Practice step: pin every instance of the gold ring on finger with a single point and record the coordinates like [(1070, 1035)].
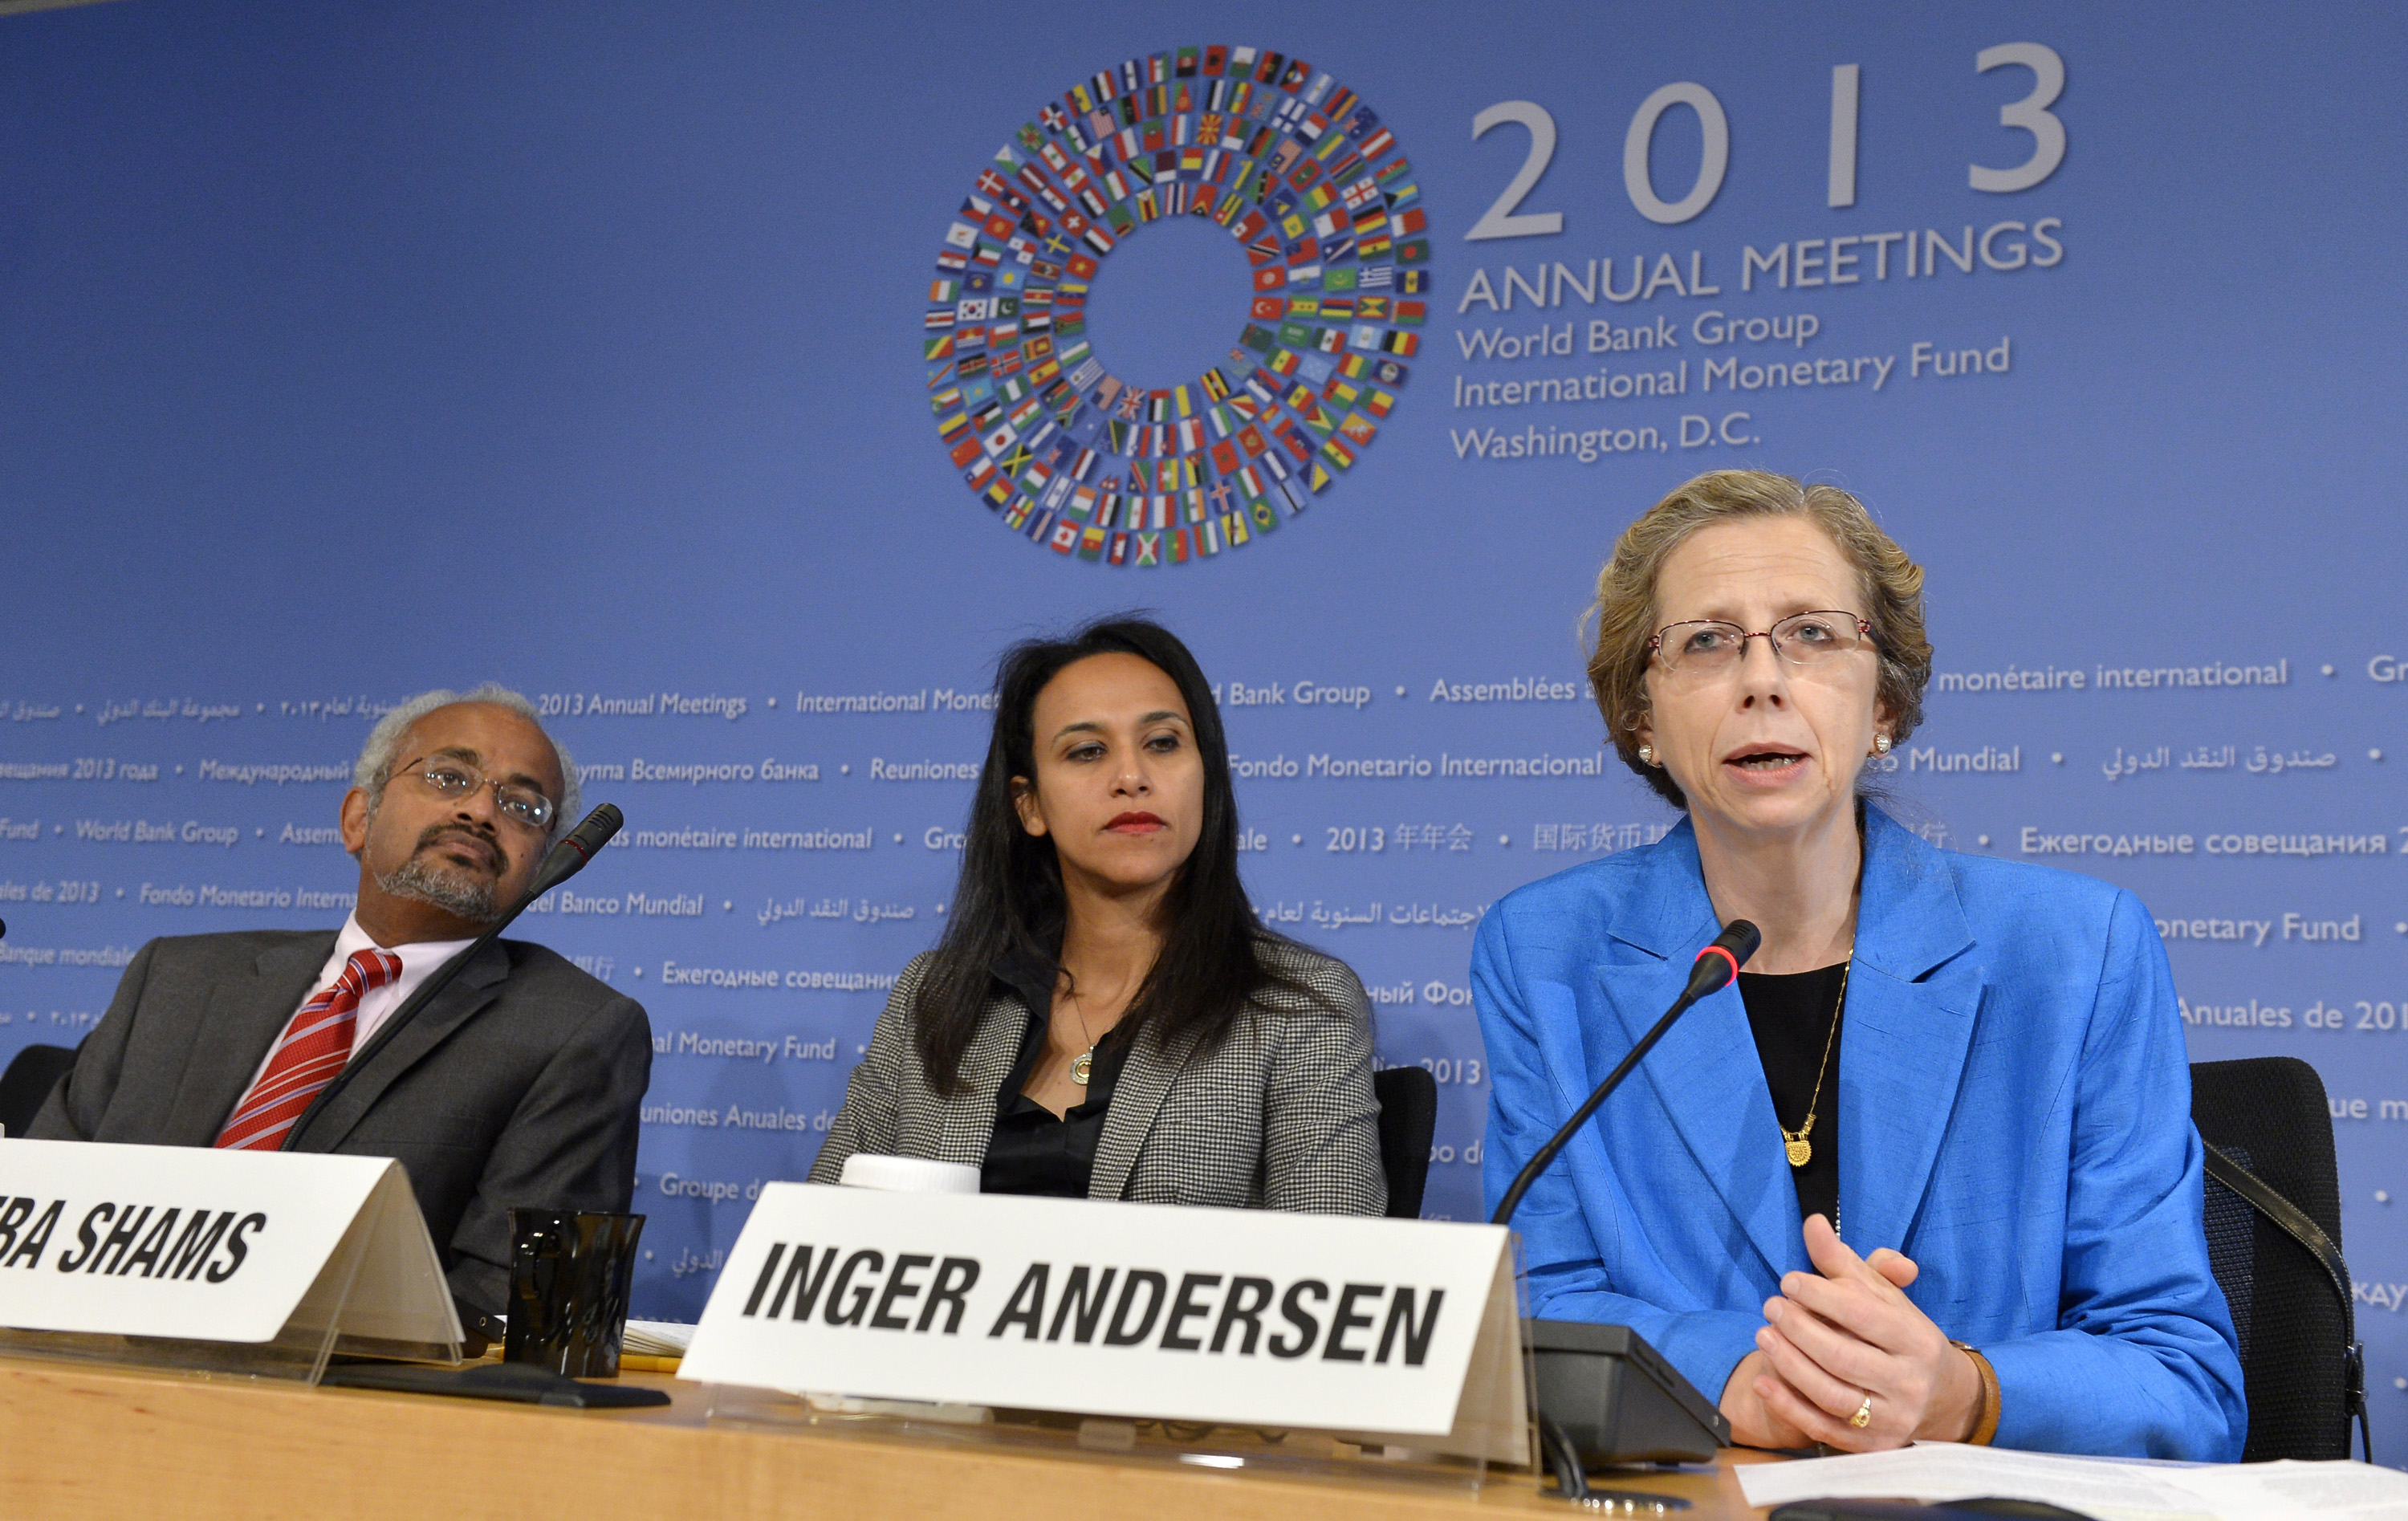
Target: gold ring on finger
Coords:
[(1864, 1415)]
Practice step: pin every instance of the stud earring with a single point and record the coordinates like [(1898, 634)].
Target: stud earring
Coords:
[(1880, 744), (1646, 755)]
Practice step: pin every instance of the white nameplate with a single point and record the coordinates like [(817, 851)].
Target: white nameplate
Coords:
[(206, 1245), (1231, 1316)]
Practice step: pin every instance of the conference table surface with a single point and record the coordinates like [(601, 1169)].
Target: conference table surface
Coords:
[(92, 1442)]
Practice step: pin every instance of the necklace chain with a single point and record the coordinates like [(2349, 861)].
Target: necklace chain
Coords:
[(1802, 1151), (1083, 1066)]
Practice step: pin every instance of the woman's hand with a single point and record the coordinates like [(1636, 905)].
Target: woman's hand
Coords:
[(1845, 1332), (1752, 1422)]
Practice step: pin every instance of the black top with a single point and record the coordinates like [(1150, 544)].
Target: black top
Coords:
[(1793, 1016), (1032, 1152)]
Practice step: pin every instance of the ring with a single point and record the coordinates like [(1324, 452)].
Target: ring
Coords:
[(1864, 1415)]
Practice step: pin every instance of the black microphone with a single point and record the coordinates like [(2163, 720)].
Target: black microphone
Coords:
[(573, 854), (565, 860), (1604, 1396), (1717, 966)]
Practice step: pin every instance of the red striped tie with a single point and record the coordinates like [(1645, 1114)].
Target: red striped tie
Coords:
[(314, 1048)]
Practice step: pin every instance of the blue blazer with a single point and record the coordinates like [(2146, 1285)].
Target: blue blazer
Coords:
[(2014, 1109)]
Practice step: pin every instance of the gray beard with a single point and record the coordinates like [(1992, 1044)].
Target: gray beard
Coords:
[(415, 879)]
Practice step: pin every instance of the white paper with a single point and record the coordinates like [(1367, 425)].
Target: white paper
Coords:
[(2111, 1490), (657, 1339)]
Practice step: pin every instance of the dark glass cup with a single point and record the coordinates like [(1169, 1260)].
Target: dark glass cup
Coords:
[(569, 1276)]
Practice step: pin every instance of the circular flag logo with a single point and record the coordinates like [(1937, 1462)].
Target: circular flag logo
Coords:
[(1300, 172)]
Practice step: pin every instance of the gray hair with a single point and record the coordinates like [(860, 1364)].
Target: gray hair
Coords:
[(378, 756)]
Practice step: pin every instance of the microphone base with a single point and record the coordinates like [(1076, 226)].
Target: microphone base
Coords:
[(1615, 1398)]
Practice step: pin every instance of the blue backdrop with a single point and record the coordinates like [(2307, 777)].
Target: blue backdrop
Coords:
[(728, 380)]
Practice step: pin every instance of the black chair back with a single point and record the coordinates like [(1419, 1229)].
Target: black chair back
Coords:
[(1408, 1118), (27, 1083), (2296, 1331)]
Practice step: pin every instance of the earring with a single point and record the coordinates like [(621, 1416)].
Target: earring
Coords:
[(1880, 744), (1646, 755)]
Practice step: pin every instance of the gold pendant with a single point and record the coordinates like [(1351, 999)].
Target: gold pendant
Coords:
[(1082, 1066), (1799, 1149)]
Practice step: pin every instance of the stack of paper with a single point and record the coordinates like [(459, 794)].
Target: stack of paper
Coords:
[(2109, 1488), (656, 1339)]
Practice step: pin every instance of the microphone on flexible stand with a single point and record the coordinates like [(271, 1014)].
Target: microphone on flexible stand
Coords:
[(1603, 1395), (1717, 966), (575, 852)]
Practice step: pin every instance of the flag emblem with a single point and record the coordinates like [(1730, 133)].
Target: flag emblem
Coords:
[(1302, 175)]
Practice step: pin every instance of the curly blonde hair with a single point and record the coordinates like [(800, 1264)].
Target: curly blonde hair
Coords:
[(1626, 617)]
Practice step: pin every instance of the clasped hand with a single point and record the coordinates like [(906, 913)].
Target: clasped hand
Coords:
[(1835, 1336)]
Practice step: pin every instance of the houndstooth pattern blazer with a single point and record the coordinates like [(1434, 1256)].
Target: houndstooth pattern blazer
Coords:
[(1281, 1116)]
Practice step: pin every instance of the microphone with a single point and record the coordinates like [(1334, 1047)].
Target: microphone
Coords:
[(566, 859), (1717, 966), (573, 854), (1603, 1394)]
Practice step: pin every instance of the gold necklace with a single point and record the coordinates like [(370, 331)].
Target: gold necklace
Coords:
[(1800, 1150)]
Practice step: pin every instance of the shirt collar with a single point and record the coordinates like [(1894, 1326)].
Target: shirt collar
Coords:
[(417, 957)]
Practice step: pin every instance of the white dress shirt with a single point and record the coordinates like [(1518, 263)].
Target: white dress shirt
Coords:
[(418, 960)]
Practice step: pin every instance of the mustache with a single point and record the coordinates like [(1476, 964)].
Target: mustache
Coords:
[(496, 854)]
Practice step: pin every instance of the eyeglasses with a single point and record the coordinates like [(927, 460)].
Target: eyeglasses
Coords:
[(445, 778), (1706, 646)]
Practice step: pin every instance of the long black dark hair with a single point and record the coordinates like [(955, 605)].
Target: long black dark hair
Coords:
[(1009, 908)]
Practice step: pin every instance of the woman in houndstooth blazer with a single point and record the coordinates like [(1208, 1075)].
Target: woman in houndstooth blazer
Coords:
[(1104, 1018)]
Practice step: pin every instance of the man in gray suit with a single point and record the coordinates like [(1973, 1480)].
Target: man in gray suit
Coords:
[(520, 1086)]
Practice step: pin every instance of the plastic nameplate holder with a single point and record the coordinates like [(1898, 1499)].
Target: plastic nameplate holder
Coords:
[(1045, 1353), (248, 1263)]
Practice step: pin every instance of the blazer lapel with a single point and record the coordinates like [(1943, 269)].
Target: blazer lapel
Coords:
[(968, 1121), (1145, 1081), (1913, 999), (244, 1013), (1704, 1073), (478, 984)]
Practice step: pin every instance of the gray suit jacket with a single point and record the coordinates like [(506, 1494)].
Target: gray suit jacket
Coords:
[(1281, 1116), (520, 1084)]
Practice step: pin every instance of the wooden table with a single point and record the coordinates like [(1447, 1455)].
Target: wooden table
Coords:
[(95, 1443)]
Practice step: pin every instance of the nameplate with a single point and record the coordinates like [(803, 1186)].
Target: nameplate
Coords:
[(1229, 1316), (205, 1245)]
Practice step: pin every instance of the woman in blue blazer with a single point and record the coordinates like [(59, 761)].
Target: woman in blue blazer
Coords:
[(1928, 1172)]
